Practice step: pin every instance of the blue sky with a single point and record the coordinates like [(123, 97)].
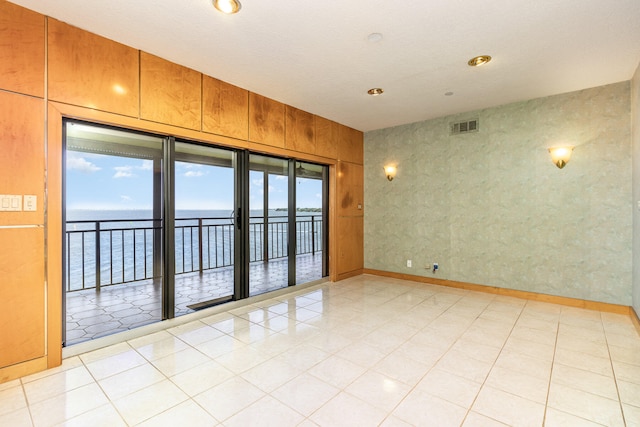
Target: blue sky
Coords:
[(105, 182)]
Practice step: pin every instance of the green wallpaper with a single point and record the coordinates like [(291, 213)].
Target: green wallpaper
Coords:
[(492, 209), (635, 126)]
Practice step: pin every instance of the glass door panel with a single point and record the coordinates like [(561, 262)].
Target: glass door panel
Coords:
[(310, 200), (204, 226), (268, 224), (113, 271)]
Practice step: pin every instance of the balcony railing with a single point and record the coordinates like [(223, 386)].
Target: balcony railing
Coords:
[(111, 252)]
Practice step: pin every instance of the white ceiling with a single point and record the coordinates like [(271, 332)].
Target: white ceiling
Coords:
[(315, 55)]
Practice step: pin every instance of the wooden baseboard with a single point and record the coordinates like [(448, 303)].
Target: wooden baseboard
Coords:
[(635, 319), (342, 276), (19, 370), (571, 302)]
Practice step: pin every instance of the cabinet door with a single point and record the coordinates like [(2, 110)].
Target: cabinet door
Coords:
[(327, 136), (299, 131), (225, 108), (266, 121), (22, 295), (350, 244)]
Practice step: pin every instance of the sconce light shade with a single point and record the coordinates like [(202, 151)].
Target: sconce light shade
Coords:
[(560, 155), (227, 6), (390, 171)]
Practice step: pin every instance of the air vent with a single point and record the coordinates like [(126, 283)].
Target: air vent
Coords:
[(467, 126)]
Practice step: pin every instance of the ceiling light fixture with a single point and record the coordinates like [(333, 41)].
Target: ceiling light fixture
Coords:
[(375, 91), (227, 6), (479, 60)]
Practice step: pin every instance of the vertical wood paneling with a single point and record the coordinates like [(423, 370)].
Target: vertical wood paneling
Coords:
[(327, 136), (21, 50), (299, 130), (350, 183), (350, 244), (170, 93), (266, 120), (91, 71), (225, 109), (22, 295), (350, 145), (22, 159)]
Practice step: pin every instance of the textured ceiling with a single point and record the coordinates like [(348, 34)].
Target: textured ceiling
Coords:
[(315, 55)]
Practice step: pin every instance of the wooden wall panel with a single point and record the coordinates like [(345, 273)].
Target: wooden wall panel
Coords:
[(266, 120), (327, 136), (350, 185), (170, 93), (92, 71), (350, 235), (350, 145), (225, 108), (22, 295), (299, 130), (21, 50), (22, 159)]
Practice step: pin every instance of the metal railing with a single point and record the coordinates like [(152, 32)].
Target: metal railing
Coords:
[(110, 252)]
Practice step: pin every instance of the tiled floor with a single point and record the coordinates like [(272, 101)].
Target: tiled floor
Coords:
[(366, 351), (117, 308)]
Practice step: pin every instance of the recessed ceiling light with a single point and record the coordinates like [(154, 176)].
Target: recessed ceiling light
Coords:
[(448, 93), (375, 91), (374, 37), (479, 60), (227, 6)]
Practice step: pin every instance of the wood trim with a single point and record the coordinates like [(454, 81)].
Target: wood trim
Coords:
[(19, 370), (635, 319), (534, 296), (342, 276)]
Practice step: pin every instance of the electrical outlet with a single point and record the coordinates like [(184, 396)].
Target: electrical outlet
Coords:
[(435, 267), (409, 263)]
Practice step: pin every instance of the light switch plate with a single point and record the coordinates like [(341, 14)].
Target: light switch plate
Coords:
[(10, 203), (30, 203)]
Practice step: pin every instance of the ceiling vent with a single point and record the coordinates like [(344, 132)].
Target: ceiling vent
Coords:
[(467, 126)]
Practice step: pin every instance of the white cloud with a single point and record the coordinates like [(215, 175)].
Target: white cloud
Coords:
[(282, 177), (257, 182), (125, 199), (82, 165), (192, 174), (146, 165), (123, 172)]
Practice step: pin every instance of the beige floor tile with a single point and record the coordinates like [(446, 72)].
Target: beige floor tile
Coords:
[(631, 415), (627, 372), (12, 399), (305, 393), (18, 418), (114, 364), (187, 413), (508, 408), (546, 337), (348, 411), (585, 405), (555, 418), (530, 348), (450, 387), (462, 365), (202, 377), (392, 421), (68, 405), (267, 412), (590, 382), (477, 420), (303, 356), (127, 382), (196, 333), (271, 374), (14, 383), (102, 353), (519, 383), (478, 351), (378, 390), (625, 355), (149, 339), (55, 384), (422, 409), (161, 348), (69, 363), (183, 360), (228, 398), (241, 360), (362, 354), (587, 362), (148, 402), (402, 368), (337, 371), (230, 325), (629, 393), (219, 346), (577, 343), (519, 362), (103, 416)]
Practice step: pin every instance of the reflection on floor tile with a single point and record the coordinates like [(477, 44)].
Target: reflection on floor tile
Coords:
[(364, 351)]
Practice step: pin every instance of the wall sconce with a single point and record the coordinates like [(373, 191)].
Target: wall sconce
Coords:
[(227, 6), (560, 155), (390, 171)]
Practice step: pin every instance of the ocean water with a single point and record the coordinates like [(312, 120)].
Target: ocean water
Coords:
[(127, 237)]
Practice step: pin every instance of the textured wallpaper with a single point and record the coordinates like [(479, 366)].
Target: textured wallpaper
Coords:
[(491, 208)]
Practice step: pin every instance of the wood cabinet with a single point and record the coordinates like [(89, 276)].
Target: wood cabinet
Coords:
[(225, 108), (350, 235), (327, 136), (350, 188), (22, 35), (266, 121), (22, 159), (299, 130), (350, 145), (92, 71), (170, 93)]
